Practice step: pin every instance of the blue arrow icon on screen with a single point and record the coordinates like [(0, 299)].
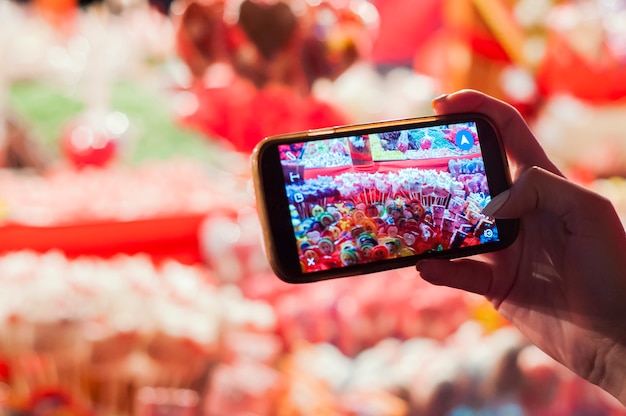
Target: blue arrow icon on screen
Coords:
[(464, 140)]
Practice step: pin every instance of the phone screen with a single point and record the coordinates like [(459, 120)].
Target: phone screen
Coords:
[(384, 195)]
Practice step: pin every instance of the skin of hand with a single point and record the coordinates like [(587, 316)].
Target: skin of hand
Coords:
[(562, 283)]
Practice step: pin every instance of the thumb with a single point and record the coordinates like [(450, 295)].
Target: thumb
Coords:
[(539, 189)]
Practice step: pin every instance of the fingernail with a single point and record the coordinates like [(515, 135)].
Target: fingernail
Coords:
[(438, 99), (496, 203)]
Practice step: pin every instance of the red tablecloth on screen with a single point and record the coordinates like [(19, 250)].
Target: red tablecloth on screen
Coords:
[(388, 166)]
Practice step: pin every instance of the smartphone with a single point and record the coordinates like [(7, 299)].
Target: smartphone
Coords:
[(365, 198)]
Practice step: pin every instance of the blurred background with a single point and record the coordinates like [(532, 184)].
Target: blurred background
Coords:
[(132, 274)]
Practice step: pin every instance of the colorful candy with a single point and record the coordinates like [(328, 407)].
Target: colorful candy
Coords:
[(367, 216)]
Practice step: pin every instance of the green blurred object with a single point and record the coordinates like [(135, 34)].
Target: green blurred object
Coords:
[(154, 131)]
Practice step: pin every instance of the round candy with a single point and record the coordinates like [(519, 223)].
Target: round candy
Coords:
[(312, 254), (396, 214), (411, 225), (334, 231), (371, 210), (379, 253), (348, 245), (349, 257), (365, 239), (345, 224), (358, 216), (379, 222), (369, 225), (326, 219), (357, 231), (326, 246), (409, 239), (394, 245), (314, 236), (367, 248), (317, 210)]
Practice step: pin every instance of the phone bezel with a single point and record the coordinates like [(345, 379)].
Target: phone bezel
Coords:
[(273, 205)]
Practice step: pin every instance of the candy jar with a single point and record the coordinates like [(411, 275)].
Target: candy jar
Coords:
[(361, 152)]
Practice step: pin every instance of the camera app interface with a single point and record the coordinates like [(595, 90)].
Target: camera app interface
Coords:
[(368, 198)]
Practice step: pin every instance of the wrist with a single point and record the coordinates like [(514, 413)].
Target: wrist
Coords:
[(610, 373)]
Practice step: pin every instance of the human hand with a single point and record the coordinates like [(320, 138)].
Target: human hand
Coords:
[(562, 283)]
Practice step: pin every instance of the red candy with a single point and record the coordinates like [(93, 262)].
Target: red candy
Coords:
[(85, 145)]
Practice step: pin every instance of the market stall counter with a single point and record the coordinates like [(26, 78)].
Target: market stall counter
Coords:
[(161, 238)]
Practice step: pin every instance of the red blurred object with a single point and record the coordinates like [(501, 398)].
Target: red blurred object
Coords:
[(60, 13), (287, 42), (244, 115), (564, 71), (275, 51), (56, 401), (405, 28), (202, 37), (85, 145), (5, 371), (165, 238)]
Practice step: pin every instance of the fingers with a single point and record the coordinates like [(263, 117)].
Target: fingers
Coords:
[(538, 189), (465, 274), (519, 142)]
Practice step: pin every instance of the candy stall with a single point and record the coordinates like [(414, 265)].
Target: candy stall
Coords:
[(133, 278)]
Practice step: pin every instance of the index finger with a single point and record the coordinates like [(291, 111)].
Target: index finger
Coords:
[(520, 144)]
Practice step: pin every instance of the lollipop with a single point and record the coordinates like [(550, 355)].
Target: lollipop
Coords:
[(349, 257), (378, 253)]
